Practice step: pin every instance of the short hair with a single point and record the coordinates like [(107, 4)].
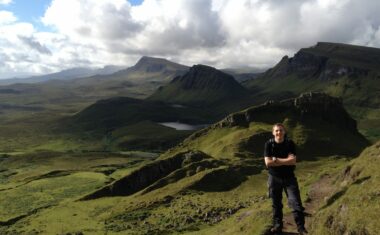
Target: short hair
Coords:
[(279, 124)]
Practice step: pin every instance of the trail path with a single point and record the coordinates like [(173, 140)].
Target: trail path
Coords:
[(317, 194)]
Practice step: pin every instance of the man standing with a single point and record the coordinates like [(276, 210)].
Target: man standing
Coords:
[(280, 158)]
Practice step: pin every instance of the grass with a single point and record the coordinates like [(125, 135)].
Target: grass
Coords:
[(178, 207), (47, 192), (355, 205), (36, 183)]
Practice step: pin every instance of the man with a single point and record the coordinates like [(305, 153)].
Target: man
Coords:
[(280, 159)]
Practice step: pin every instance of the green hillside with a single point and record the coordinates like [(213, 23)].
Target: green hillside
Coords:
[(341, 70), (354, 203), (213, 182)]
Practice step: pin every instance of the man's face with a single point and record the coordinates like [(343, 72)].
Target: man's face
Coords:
[(278, 133)]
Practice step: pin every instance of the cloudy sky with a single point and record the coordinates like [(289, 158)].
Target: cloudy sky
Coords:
[(43, 36)]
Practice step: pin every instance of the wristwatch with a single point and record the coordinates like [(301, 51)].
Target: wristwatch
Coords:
[(274, 159)]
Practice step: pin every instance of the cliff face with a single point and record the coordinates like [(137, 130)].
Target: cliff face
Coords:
[(313, 104), (328, 61), (148, 175)]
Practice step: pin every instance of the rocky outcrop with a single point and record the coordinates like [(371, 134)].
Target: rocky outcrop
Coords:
[(328, 61), (147, 175), (312, 104)]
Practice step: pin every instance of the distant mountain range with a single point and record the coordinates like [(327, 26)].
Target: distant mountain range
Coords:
[(163, 91), (68, 74)]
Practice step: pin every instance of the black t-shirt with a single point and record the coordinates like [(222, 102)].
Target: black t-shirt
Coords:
[(280, 150)]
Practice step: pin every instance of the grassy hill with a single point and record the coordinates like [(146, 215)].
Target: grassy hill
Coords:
[(353, 205), (341, 70), (213, 182)]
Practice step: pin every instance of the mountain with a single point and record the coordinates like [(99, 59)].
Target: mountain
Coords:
[(155, 65), (80, 87), (138, 81), (327, 61), (149, 69), (67, 74), (341, 70), (200, 86)]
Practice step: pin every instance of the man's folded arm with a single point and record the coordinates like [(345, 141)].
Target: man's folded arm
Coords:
[(290, 160)]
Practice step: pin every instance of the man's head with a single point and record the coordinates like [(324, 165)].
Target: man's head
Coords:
[(278, 132)]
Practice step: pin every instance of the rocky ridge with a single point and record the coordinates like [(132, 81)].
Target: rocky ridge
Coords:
[(328, 61)]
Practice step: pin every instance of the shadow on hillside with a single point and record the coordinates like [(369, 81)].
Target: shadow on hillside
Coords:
[(220, 180)]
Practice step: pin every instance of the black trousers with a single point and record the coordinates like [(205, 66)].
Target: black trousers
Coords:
[(290, 186)]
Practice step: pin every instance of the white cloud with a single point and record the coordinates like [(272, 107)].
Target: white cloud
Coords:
[(7, 17), (5, 2), (222, 33)]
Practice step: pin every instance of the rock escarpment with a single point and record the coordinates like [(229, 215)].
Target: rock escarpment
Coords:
[(328, 61), (313, 104), (150, 174)]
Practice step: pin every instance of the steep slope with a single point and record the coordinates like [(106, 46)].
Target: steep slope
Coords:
[(341, 70), (201, 86), (354, 204)]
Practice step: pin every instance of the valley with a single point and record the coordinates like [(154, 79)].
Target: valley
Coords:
[(163, 148)]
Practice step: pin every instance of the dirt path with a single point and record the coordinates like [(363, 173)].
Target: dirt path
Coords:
[(317, 194)]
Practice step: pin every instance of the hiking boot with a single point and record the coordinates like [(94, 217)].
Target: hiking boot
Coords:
[(302, 231), (276, 229)]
